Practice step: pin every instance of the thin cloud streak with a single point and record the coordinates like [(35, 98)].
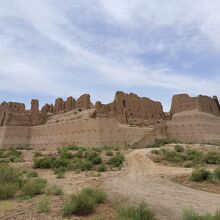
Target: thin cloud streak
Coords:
[(56, 56)]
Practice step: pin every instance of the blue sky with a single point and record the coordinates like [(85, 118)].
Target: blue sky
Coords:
[(58, 48)]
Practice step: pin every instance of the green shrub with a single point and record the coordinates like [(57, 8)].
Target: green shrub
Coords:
[(33, 187), (179, 148), (8, 190), (80, 204), (3, 154), (83, 202), (200, 175), (173, 156), (86, 165), (4, 161), (9, 175), (44, 163), (60, 162), (10, 181), (97, 160), (102, 168), (97, 195), (50, 162), (75, 148), (90, 155), (212, 158), (32, 174), (79, 154), (190, 214), (109, 153), (141, 212), (116, 160), (66, 155), (54, 190), (60, 172), (44, 205), (216, 173), (195, 156)]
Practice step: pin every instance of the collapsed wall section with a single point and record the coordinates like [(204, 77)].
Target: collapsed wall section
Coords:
[(183, 102), (131, 109)]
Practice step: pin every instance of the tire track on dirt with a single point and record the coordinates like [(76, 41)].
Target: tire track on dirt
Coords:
[(143, 180)]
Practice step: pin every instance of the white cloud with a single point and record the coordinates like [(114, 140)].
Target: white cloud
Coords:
[(32, 65)]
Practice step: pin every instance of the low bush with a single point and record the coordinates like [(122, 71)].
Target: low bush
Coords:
[(83, 203), (194, 155), (212, 158), (109, 153), (173, 156), (13, 155), (60, 172), (8, 190), (33, 187), (9, 175), (140, 212), (178, 148), (90, 155), (102, 168), (32, 174), (44, 205), (97, 160), (99, 196), (54, 190), (190, 214), (216, 173), (10, 181), (44, 163), (82, 160), (80, 204), (201, 174), (116, 160), (75, 148)]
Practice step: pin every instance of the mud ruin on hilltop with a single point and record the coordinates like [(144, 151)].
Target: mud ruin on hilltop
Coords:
[(128, 121)]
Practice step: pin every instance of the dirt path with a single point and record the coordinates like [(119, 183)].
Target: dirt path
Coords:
[(143, 180)]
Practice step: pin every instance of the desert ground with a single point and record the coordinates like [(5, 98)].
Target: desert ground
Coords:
[(164, 186)]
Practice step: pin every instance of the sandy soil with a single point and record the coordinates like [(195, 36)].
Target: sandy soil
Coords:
[(204, 185), (143, 180), (139, 180)]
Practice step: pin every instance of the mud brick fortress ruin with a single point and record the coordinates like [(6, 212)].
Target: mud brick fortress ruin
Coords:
[(128, 121)]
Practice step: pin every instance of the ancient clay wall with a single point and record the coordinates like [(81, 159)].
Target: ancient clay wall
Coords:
[(73, 128), (194, 126), (111, 133), (14, 136), (81, 132), (184, 102), (2, 135)]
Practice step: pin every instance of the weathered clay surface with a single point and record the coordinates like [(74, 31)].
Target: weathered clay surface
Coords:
[(184, 102), (83, 102), (131, 109)]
